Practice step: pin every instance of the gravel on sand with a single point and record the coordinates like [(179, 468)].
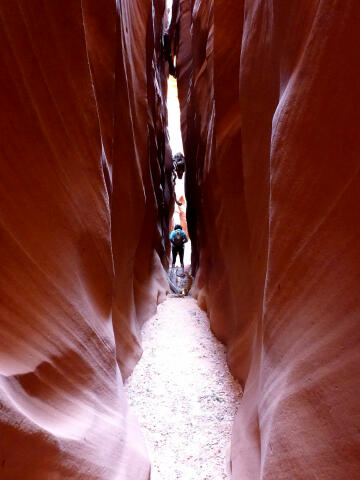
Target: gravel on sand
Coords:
[(183, 395)]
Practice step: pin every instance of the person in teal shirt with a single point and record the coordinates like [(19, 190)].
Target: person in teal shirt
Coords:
[(178, 238)]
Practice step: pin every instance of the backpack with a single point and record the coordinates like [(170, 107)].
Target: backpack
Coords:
[(178, 238)]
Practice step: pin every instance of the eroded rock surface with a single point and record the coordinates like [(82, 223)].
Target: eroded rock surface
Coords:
[(270, 116), (271, 104), (85, 196)]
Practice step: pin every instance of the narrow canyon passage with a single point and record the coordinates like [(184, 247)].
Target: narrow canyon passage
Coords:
[(237, 120), (183, 394)]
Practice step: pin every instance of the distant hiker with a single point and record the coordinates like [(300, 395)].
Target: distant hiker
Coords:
[(178, 165), (178, 238), (167, 54), (177, 172)]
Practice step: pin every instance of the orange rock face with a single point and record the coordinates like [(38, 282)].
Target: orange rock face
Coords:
[(273, 189), (85, 194)]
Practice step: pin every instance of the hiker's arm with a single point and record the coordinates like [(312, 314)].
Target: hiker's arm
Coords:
[(185, 238)]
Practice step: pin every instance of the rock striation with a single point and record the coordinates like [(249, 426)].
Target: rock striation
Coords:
[(269, 97), (270, 108), (86, 193)]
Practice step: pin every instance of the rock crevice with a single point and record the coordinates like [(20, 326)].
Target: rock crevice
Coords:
[(269, 114)]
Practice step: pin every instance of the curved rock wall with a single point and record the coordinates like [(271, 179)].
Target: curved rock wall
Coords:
[(85, 192), (271, 101)]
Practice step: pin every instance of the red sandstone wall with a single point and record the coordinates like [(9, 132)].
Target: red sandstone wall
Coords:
[(84, 204), (272, 148)]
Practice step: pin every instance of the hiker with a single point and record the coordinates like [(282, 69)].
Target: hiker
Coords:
[(167, 54), (178, 165), (177, 172), (178, 238)]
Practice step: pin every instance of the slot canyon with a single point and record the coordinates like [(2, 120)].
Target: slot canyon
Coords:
[(270, 114)]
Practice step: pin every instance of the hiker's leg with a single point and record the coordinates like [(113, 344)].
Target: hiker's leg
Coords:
[(174, 255), (181, 255)]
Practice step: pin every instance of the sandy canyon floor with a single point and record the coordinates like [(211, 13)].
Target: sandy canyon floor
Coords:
[(183, 394)]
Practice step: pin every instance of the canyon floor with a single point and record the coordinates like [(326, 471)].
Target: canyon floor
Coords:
[(183, 394)]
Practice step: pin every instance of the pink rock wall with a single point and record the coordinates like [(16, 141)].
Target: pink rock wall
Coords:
[(85, 195), (273, 188)]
